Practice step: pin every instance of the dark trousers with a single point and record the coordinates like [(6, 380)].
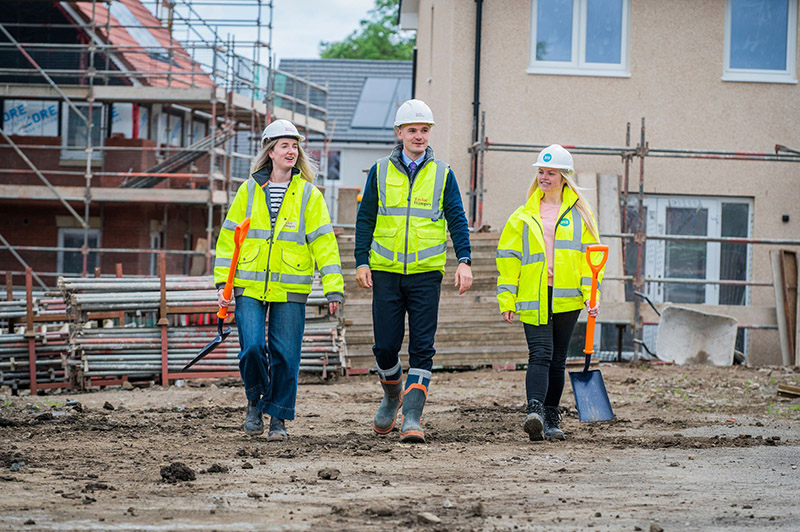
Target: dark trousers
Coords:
[(393, 296), (547, 354)]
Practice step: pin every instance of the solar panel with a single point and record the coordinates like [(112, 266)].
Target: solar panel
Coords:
[(378, 102)]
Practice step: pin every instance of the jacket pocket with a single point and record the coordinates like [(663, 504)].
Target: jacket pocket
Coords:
[(249, 252), (298, 259)]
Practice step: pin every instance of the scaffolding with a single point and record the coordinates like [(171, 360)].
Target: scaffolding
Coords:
[(152, 53), (627, 154)]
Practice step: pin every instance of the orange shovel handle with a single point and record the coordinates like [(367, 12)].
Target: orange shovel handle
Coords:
[(238, 238), (588, 347)]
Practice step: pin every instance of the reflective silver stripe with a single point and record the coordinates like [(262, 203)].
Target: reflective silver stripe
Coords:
[(432, 251), (532, 258), (333, 268), (587, 281), (301, 226), (323, 230), (567, 292), (291, 236), (384, 252), (506, 288), (402, 257), (527, 305), (508, 254), (259, 234), (383, 168), (229, 225), (577, 230), (251, 191), (438, 186), (416, 212), (296, 279), (251, 276), (222, 262)]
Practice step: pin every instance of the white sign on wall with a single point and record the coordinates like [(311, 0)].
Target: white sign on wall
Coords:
[(36, 118)]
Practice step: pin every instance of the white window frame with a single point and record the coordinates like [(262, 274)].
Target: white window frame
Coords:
[(578, 66), (788, 75), (70, 153)]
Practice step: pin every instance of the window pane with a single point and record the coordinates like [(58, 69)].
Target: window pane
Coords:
[(758, 34), (733, 257), (554, 30), (76, 127), (604, 31), (73, 261), (685, 260)]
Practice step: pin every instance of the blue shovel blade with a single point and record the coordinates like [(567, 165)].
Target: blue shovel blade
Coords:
[(591, 397)]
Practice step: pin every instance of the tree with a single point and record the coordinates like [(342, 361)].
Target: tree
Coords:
[(378, 38)]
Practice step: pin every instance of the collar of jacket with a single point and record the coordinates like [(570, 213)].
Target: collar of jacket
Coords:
[(568, 199), (397, 159), (261, 175)]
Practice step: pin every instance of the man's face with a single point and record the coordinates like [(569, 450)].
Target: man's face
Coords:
[(415, 139)]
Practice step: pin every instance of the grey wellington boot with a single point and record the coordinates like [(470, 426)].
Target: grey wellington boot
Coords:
[(416, 393), (534, 420), (552, 416), (392, 384), (253, 424)]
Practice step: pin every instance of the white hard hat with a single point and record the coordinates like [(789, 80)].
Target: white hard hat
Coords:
[(555, 156), (281, 128), (413, 112)]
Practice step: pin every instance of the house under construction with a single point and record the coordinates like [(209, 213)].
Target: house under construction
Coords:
[(127, 127)]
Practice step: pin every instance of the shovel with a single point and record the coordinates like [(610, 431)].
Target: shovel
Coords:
[(591, 397), (238, 237)]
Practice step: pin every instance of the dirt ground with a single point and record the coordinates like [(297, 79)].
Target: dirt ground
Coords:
[(691, 448)]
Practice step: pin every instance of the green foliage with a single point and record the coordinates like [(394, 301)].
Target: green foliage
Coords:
[(378, 38)]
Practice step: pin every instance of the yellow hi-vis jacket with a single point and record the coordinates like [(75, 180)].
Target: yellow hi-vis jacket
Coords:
[(278, 264), (522, 264), (410, 234)]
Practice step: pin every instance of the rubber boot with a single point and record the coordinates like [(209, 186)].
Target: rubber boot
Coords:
[(416, 393), (551, 418), (277, 430), (253, 424), (392, 384), (534, 420)]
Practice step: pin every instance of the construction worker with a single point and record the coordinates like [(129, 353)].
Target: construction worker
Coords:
[(543, 244), (290, 230), (401, 246)]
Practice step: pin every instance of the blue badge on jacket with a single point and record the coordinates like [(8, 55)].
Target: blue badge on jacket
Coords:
[(564, 222)]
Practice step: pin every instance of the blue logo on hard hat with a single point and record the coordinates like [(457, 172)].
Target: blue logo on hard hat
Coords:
[(547, 157), (564, 222)]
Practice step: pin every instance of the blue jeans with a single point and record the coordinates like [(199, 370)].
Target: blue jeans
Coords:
[(270, 366)]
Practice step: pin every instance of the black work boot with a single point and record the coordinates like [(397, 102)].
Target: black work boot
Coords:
[(416, 393), (253, 424), (552, 416), (392, 384), (277, 430), (534, 421)]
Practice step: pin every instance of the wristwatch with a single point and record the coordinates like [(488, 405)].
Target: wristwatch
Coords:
[(466, 261)]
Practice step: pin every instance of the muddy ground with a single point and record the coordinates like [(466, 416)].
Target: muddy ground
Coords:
[(691, 448)]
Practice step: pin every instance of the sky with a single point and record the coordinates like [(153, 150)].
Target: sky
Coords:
[(298, 25)]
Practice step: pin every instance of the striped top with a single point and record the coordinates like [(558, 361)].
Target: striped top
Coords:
[(276, 193)]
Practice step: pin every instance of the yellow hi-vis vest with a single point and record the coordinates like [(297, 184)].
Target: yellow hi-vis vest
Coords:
[(410, 233), (522, 263), (278, 265)]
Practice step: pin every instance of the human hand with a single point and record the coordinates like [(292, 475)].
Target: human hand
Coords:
[(223, 303), (592, 311), (508, 316), (463, 278), (333, 307), (364, 277)]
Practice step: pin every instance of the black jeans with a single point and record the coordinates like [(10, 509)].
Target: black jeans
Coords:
[(394, 295), (547, 354)]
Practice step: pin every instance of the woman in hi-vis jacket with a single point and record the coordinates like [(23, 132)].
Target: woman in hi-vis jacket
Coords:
[(544, 277), (290, 231)]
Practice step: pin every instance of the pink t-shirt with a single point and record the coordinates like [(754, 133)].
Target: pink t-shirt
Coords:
[(549, 214)]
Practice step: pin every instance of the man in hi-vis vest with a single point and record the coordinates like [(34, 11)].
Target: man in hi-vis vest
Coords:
[(401, 249)]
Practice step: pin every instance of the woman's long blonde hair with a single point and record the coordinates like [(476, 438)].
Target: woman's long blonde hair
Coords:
[(582, 205), (307, 168)]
